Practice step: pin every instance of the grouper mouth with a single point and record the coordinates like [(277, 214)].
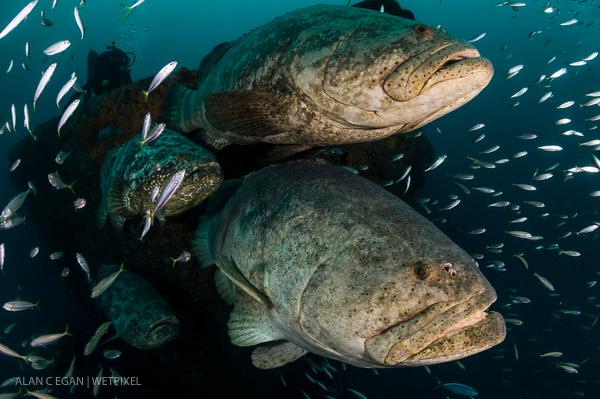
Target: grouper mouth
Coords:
[(199, 183), (445, 63), (429, 337)]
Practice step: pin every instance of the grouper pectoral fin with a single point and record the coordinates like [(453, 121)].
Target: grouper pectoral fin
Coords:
[(270, 356), (250, 113), (201, 245), (225, 287), (250, 321), (119, 198), (219, 199), (228, 268)]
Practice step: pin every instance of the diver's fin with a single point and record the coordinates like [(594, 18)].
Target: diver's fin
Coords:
[(228, 268), (225, 287), (283, 151), (119, 196), (219, 199), (174, 101), (269, 356), (249, 113), (201, 244)]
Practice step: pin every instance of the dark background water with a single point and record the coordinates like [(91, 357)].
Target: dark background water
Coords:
[(159, 32)]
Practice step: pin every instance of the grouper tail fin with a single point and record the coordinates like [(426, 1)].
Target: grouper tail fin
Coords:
[(174, 101)]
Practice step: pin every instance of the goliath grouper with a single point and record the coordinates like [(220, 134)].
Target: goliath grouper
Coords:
[(141, 316), (129, 174), (325, 261), (327, 75)]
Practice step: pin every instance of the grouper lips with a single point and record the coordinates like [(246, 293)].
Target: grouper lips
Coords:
[(200, 182), (462, 329), (434, 65)]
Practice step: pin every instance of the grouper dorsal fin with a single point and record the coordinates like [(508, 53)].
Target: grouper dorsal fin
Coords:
[(269, 356), (249, 113), (219, 199)]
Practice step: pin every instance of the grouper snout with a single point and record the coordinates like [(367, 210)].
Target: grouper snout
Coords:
[(465, 328)]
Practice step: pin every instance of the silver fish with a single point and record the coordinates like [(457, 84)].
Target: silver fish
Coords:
[(18, 305), (15, 164), (79, 21), (57, 47), (171, 185), (67, 86), (184, 257), (14, 204), (26, 120), (45, 340), (43, 82), (13, 113), (160, 77), (84, 265), (58, 183), (437, 163), (62, 156), (79, 203), (67, 114), (105, 283), (19, 18), (154, 133), (146, 126)]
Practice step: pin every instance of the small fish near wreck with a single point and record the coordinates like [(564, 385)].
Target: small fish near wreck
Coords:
[(327, 262), (289, 82), (141, 316), (127, 177)]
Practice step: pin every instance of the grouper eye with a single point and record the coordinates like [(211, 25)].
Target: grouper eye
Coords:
[(422, 29), (420, 270)]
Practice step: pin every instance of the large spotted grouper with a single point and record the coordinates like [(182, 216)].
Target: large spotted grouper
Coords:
[(141, 316), (317, 259), (129, 175), (327, 75)]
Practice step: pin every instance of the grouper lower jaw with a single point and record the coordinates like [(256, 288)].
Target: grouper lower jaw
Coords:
[(432, 337), (477, 338)]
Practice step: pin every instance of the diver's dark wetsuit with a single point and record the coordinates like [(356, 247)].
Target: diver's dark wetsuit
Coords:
[(107, 71), (389, 7)]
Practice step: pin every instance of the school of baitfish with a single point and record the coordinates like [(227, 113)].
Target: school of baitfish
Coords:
[(255, 318)]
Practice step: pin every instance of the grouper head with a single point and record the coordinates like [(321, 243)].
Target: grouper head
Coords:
[(130, 174), (399, 293), (391, 72), (439, 324)]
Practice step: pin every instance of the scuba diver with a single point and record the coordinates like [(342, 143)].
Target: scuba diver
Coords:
[(391, 7), (106, 71)]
